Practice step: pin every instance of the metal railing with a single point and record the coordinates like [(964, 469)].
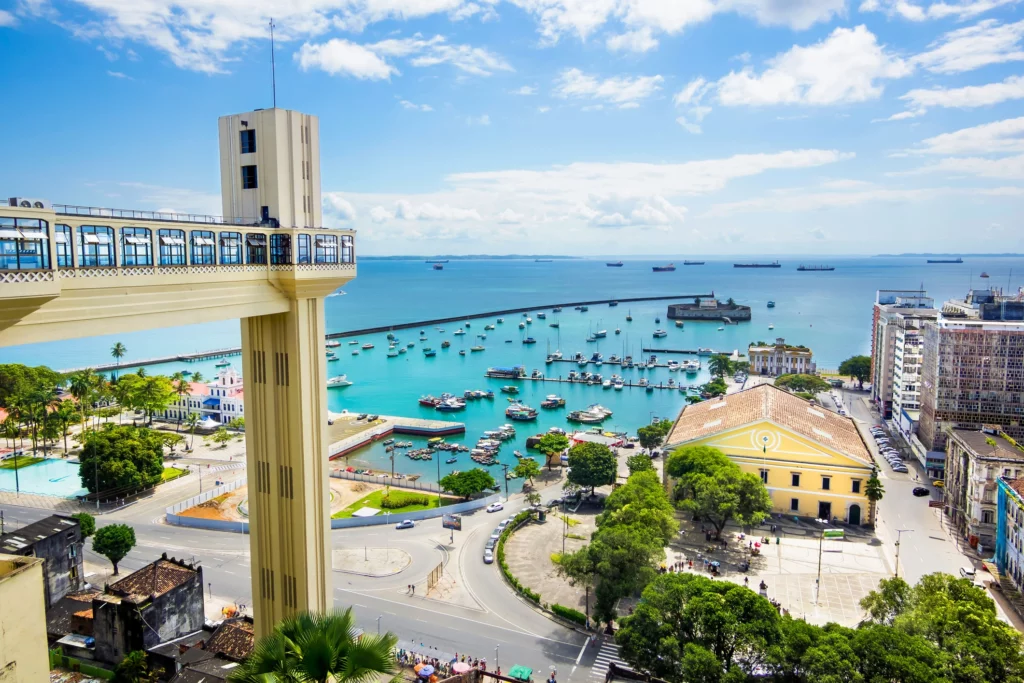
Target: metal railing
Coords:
[(133, 214)]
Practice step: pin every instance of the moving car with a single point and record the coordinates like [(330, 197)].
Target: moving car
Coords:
[(938, 483), (488, 557), (921, 491), (405, 524), (494, 507)]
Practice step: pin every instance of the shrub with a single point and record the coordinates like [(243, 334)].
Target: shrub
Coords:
[(569, 613), (401, 499)]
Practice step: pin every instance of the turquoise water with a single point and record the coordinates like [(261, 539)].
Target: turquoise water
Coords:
[(51, 477), (828, 311)]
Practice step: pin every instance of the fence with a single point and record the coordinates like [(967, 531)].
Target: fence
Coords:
[(385, 480), (77, 665), (422, 514), (172, 516)]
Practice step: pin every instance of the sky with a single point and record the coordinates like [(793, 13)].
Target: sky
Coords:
[(578, 127)]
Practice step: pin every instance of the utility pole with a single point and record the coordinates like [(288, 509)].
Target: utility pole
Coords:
[(505, 469), (439, 481), (496, 664), (899, 536), (378, 624)]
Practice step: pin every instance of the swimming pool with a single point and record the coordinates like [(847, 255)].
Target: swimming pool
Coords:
[(51, 477)]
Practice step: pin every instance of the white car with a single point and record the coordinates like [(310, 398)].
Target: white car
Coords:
[(967, 572), (495, 507)]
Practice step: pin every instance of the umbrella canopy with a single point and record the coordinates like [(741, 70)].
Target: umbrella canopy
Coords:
[(460, 667), (426, 671), (418, 666), (523, 673)]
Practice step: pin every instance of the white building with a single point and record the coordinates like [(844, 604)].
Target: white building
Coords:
[(780, 359), (220, 400), (897, 320)]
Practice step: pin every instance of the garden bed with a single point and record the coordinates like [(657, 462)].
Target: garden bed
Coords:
[(419, 500)]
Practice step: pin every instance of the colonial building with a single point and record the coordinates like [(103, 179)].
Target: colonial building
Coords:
[(780, 359), (975, 460), (221, 400), (57, 540), (1009, 554), (813, 461)]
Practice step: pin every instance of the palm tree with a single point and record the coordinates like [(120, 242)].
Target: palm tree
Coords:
[(12, 430), (64, 414), (318, 647), (181, 387), (719, 365), (81, 387), (874, 491), (117, 351), (197, 377), (191, 421)]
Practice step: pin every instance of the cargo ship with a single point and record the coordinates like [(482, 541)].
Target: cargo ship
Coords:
[(815, 268), (946, 260), (614, 264), (693, 263), (773, 264), (664, 269)]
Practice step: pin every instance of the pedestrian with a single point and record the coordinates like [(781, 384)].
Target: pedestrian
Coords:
[(746, 582), (413, 588)]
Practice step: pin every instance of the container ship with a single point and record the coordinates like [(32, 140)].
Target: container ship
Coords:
[(946, 260), (614, 264), (815, 268), (664, 269), (773, 264), (693, 263)]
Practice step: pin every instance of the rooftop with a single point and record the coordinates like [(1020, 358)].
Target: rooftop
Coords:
[(155, 579), (30, 534), (233, 639), (767, 402), (59, 615), (989, 446)]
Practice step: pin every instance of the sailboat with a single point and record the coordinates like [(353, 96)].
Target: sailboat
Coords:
[(629, 316)]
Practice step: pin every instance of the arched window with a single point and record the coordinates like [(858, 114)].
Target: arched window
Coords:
[(136, 247), (23, 244), (280, 249), (255, 247), (95, 246), (230, 248), (172, 247), (303, 249), (326, 249), (203, 248), (64, 239)]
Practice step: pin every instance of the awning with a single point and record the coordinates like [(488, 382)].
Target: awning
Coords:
[(211, 402), (256, 240), (203, 241), (520, 672), (136, 240), (103, 238), (328, 240), (90, 238), (60, 237), (10, 234), (229, 241), (173, 241), (209, 423), (33, 235)]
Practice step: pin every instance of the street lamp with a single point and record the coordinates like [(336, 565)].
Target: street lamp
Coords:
[(899, 535), (496, 665), (378, 624), (504, 468)]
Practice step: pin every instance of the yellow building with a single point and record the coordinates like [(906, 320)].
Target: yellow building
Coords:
[(813, 462), (23, 655)]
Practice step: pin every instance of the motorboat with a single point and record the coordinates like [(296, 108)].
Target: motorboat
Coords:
[(392, 352), (613, 358), (584, 309), (401, 349), (601, 334), (450, 405), (607, 384), (462, 352), (612, 304), (529, 340), (429, 401), (331, 360), (618, 384), (423, 338), (618, 331), (657, 320), (529, 321), (489, 327), (679, 323), (476, 348), (332, 343), (501, 320), (353, 342), (771, 326), (771, 304), (449, 461), (542, 316), (331, 354), (554, 324), (520, 412), (703, 351), (629, 316), (445, 344), (536, 374), (660, 333), (673, 366), (642, 382), (584, 416), (582, 362), (556, 309), (720, 328), (591, 339), (459, 331), (510, 389), (557, 355), (338, 381), (223, 364), (429, 352), (552, 401), (549, 360), (522, 326), (410, 344), (366, 347)]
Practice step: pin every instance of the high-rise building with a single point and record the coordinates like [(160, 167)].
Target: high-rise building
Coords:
[(973, 367), (895, 312)]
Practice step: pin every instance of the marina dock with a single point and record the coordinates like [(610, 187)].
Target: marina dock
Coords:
[(626, 383), (355, 435)]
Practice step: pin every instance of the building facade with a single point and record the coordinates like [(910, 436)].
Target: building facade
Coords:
[(23, 653), (895, 312), (222, 400), (813, 461), (1009, 555), (57, 540), (780, 358), (972, 371), (975, 460)]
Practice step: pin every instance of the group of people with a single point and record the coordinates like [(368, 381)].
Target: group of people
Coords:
[(442, 667)]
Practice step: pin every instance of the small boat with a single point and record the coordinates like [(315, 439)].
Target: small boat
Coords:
[(401, 349), (438, 266), (467, 324), (520, 412), (771, 326), (771, 304), (657, 320), (614, 264), (601, 334), (584, 309), (542, 315), (983, 274), (429, 401), (450, 405), (332, 343), (501, 320), (556, 309), (366, 347), (618, 384), (612, 304), (720, 328), (459, 331), (354, 341), (529, 321), (393, 353), (391, 336), (629, 316), (488, 327), (693, 263), (462, 352), (679, 323), (423, 338), (330, 354), (536, 374), (445, 344), (529, 340), (664, 269), (518, 454), (339, 381), (660, 333), (607, 384), (552, 401), (522, 326), (411, 344), (474, 349), (618, 331), (555, 324), (330, 360), (510, 389), (449, 461), (428, 352), (704, 351), (224, 363)]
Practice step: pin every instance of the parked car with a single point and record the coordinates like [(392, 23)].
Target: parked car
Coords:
[(502, 524), (405, 524), (902, 469), (967, 572), (490, 544), (496, 534), (920, 491), (494, 507), (488, 557), (939, 483)]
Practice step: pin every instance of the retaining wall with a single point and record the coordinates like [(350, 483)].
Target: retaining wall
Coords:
[(397, 483), (172, 516), (416, 516)]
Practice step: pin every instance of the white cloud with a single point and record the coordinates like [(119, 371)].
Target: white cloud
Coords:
[(1006, 168), (688, 125), (432, 51), (902, 116), (972, 47), (406, 104), (544, 110), (967, 97), (998, 137), (796, 14), (379, 214), (510, 217), (623, 91), (482, 120), (120, 75), (341, 57), (428, 211), (339, 207), (7, 19), (111, 56), (964, 9), (847, 66), (525, 90), (802, 199), (693, 92), (640, 40)]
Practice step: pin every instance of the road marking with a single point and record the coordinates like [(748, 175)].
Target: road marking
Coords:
[(608, 654), (582, 650)]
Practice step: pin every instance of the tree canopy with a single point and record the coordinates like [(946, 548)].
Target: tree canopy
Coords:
[(86, 522), (716, 387), (121, 457), (592, 465), (858, 367), (17, 380), (719, 365), (113, 542), (639, 463), (468, 483), (527, 468), (802, 383), (551, 444), (653, 435)]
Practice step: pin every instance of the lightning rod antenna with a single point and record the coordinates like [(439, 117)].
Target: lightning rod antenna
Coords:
[(273, 66)]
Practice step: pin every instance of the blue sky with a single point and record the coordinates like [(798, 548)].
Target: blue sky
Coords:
[(557, 126)]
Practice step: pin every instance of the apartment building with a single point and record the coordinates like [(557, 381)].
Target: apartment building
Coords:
[(896, 321), (1009, 554)]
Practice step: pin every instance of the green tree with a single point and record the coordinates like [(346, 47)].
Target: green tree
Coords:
[(113, 542), (716, 387), (691, 460), (121, 457), (467, 484), (858, 367), (16, 380), (886, 603), (719, 365), (592, 465), (134, 669), (527, 469), (173, 441), (192, 421), (86, 522), (237, 424), (890, 654), (874, 491), (118, 350), (82, 385), (650, 436), (155, 394), (552, 444), (715, 490), (66, 414), (319, 648), (533, 498), (182, 387), (221, 437), (802, 383), (639, 463)]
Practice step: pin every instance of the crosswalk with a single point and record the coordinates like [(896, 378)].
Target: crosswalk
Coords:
[(608, 653)]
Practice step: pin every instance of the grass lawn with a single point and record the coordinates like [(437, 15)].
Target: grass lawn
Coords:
[(20, 460), (172, 473), (373, 501)]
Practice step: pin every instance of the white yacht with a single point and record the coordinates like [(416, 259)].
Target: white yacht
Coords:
[(339, 381)]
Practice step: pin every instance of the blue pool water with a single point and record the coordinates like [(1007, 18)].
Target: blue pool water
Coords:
[(51, 477)]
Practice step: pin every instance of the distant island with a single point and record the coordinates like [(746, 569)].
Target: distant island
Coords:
[(469, 257), (960, 254)]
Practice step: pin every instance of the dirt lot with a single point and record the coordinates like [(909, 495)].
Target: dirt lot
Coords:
[(225, 507)]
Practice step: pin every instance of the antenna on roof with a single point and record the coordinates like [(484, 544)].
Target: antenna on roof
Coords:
[(273, 66)]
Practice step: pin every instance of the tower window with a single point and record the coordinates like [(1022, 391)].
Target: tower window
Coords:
[(249, 177), (248, 138)]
